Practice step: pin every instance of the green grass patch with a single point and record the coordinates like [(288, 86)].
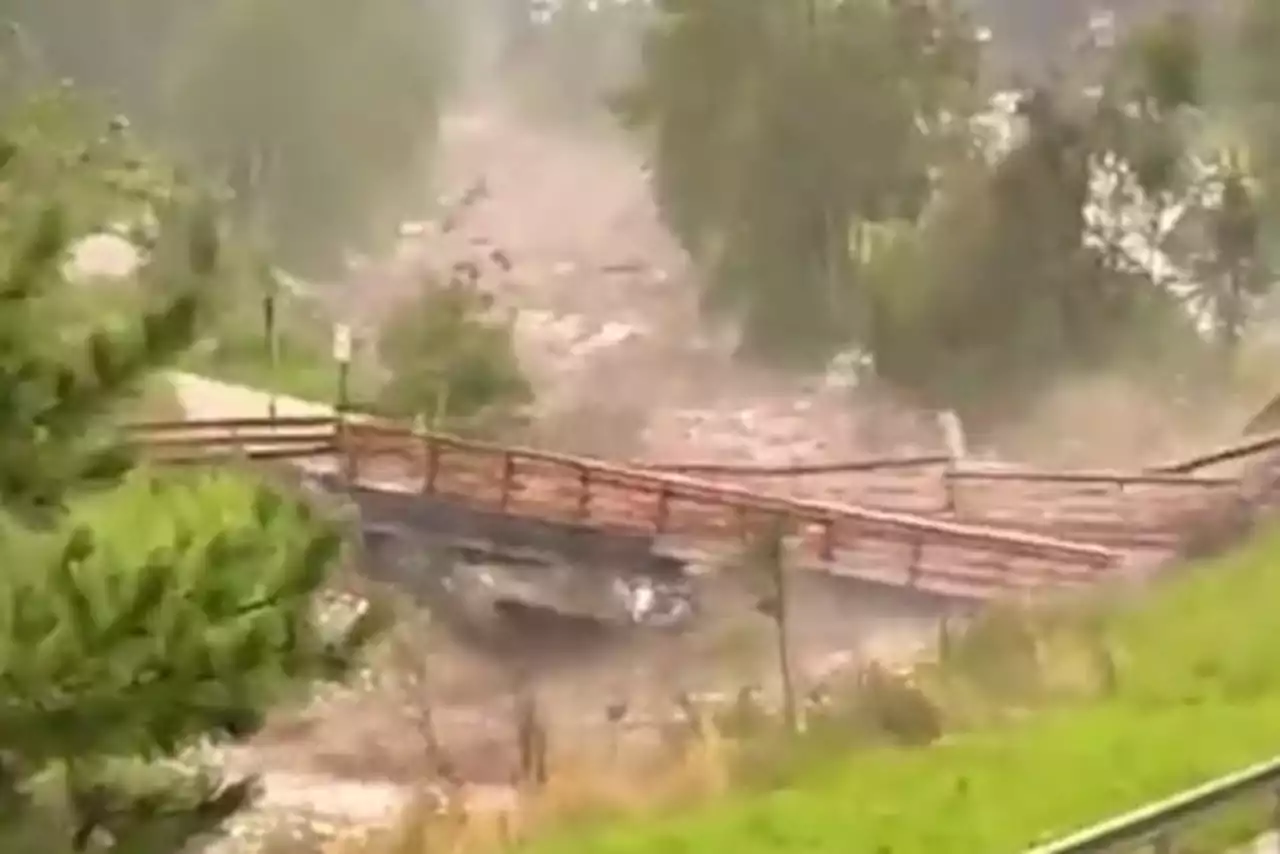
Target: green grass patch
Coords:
[(1192, 692), (234, 347), (307, 374)]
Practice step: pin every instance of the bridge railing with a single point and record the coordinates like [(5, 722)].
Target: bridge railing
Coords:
[(1161, 826), (992, 527), (945, 556), (1120, 508), (1117, 507), (255, 438), (663, 502)]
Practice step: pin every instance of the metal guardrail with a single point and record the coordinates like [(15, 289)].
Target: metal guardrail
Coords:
[(1158, 826)]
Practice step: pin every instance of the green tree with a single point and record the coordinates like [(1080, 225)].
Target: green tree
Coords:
[(90, 160), (60, 390), (1055, 256), (1000, 290), (1252, 49), (321, 116), (163, 613), (138, 613), (1234, 272), (451, 364), (779, 126)]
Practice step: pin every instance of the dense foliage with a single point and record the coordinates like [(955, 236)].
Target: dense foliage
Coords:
[(57, 387), (1258, 99), (777, 127), (839, 174)]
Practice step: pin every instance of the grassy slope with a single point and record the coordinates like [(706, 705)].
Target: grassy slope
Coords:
[(1197, 695)]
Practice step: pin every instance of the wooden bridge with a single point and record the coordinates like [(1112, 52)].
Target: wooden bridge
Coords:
[(928, 523)]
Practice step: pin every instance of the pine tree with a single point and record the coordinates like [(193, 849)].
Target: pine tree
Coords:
[(54, 392), (164, 612), (140, 612)]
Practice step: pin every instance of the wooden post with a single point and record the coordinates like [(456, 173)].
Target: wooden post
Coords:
[(584, 494), (347, 444), (433, 465), (953, 436), (1123, 510), (827, 543), (913, 562), (770, 554), (662, 512), (950, 500), (508, 480)]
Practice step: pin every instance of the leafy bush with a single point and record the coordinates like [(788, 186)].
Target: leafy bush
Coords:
[(452, 364)]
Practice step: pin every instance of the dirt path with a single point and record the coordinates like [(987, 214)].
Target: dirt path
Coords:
[(204, 398)]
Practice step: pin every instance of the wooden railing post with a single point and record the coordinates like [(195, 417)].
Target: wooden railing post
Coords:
[(662, 512), (507, 481), (582, 512), (431, 452), (913, 562), (1123, 510), (950, 484), (349, 458), (953, 436), (827, 542)]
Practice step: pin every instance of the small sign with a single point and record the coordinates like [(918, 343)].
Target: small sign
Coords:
[(953, 434), (342, 343)]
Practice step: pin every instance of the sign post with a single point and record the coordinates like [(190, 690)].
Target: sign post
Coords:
[(342, 356), (957, 450), (272, 343)]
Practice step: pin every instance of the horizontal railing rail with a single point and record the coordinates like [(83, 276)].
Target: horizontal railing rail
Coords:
[(1173, 474), (225, 424), (799, 470), (254, 438), (1133, 509), (1086, 476), (1159, 825)]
